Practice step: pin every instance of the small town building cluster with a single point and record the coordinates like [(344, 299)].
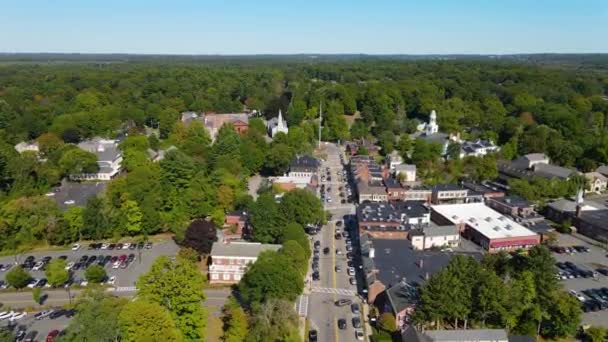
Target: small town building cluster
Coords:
[(302, 174), (213, 122), (429, 131), (109, 159)]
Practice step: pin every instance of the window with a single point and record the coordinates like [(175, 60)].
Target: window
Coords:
[(214, 276), (237, 277), (226, 276)]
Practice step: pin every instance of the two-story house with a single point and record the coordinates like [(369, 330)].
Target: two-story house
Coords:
[(229, 261)]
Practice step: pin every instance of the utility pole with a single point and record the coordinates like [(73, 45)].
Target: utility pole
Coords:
[(320, 121)]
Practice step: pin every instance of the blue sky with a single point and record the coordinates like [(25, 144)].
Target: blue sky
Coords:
[(313, 26)]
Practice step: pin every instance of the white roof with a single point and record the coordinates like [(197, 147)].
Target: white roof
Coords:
[(483, 219), (405, 167)]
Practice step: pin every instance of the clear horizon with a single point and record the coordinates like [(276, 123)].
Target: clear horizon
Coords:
[(385, 27)]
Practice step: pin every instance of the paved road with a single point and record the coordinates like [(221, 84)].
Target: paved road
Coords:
[(18, 300), (322, 313)]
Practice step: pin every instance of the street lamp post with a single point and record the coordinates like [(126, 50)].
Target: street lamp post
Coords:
[(69, 294)]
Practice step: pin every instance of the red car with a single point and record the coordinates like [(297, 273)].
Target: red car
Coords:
[(52, 335), (122, 258)]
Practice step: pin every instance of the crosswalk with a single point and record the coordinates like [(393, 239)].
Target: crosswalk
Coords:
[(330, 290), (123, 289), (302, 305)]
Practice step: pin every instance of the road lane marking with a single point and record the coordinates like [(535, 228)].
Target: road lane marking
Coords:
[(333, 244), (335, 291)]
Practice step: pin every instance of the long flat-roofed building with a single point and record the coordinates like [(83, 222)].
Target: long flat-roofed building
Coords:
[(485, 226)]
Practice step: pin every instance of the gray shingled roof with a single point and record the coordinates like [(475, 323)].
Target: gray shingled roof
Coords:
[(470, 335), (241, 249), (602, 169), (552, 171)]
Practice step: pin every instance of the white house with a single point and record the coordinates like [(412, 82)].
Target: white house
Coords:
[(230, 260), (394, 159), (407, 170), (597, 182), (276, 125), (477, 148), (109, 159), (27, 146), (435, 236)]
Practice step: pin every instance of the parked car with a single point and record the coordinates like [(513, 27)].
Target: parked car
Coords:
[(75, 247), (603, 271), (6, 314), (30, 336), (20, 333), (33, 283), (57, 313), (356, 322), (119, 246), (42, 283), (70, 313), (342, 323), (38, 266), (43, 314), (17, 316), (359, 335), (69, 265), (111, 281), (326, 250), (52, 335), (131, 258), (149, 245), (343, 302), (354, 308)]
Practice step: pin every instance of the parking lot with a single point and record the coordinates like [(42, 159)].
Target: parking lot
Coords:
[(125, 277), (575, 266), (39, 328)]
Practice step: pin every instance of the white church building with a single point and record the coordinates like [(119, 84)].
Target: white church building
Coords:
[(276, 125), (431, 127)]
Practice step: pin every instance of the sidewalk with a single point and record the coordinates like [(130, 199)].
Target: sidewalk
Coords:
[(367, 329)]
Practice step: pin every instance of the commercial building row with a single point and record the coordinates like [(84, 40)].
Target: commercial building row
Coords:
[(429, 226)]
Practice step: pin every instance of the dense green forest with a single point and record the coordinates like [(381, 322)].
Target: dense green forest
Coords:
[(556, 108)]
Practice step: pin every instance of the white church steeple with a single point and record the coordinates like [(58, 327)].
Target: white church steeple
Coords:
[(432, 127)]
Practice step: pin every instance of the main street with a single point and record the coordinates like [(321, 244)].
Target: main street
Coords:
[(323, 314)]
